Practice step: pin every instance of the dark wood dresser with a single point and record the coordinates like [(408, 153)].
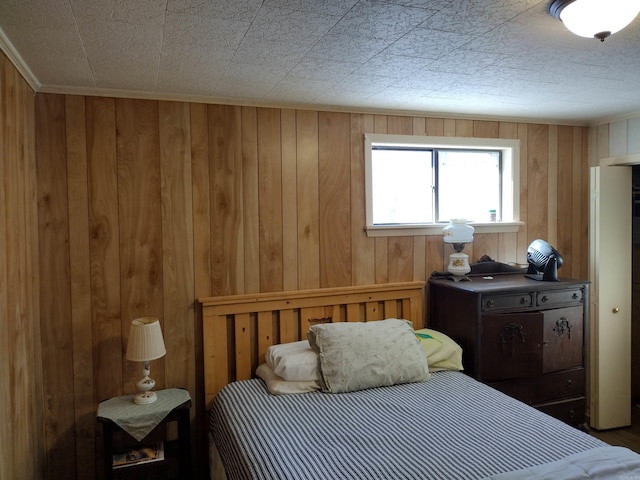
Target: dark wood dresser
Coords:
[(523, 337)]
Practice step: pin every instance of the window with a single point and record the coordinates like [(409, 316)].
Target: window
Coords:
[(420, 183)]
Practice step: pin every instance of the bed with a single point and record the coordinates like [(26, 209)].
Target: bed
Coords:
[(443, 426)]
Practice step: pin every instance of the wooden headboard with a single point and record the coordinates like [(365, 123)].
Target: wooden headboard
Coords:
[(238, 329)]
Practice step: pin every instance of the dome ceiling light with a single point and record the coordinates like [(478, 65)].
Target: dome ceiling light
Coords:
[(595, 18)]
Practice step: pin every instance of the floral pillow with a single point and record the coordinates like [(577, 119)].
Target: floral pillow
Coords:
[(441, 351), (358, 355)]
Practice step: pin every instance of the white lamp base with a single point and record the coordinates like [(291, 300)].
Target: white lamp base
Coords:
[(145, 385), (459, 264), (145, 398)]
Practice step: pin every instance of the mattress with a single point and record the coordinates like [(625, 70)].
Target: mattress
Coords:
[(450, 427)]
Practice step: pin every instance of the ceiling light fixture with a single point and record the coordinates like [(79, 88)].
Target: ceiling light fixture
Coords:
[(595, 18)]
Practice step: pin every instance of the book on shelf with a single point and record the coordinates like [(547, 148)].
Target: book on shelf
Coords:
[(138, 455)]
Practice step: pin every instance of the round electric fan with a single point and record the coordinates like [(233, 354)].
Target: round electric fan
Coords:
[(544, 261)]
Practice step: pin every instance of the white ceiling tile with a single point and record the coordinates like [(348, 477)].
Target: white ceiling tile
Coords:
[(491, 57), (26, 15), (287, 25), (386, 64), (370, 18), (288, 90), (333, 7), (364, 83), (324, 69), (45, 32), (236, 11), (429, 43), (122, 40), (202, 38), (468, 62), (269, 52), (434, 5), (239, 79), (340, 97), (193, 75), (347, 48)]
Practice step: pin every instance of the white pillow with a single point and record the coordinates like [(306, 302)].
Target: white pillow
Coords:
[(294, 362), (278, 386), (358, 355)]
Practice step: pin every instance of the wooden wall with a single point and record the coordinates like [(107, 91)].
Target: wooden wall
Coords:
[(145, 206), (21, 435)]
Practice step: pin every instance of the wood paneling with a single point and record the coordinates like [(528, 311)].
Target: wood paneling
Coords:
[(225, 149), (140, 224), (363, 247), (147, 205), (55, 276), (22, 407), (334, 182), (79, 256), (308, 221), (107, 335), (270, 200), (250, 200), (537, 166), (201, 208), (177, 242)]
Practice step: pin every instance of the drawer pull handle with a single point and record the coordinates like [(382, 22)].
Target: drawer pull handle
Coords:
[(510, 336), (569, 383), (544, 299), (523, 300), (490, 303), (572, 413), (574, 296), (563, 325)]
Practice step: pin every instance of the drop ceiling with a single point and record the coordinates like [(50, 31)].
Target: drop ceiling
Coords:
[(477, 58)]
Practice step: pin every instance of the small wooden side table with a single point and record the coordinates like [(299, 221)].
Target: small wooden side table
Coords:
[(178, 449)]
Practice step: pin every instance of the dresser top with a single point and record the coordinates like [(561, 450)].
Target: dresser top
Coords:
[(502, 282)]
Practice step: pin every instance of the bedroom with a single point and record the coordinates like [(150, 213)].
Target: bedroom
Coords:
[(74, 279)]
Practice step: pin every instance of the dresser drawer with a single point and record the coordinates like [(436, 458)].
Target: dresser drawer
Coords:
[(508, 301), (553, 298), (559, 385), (571, 411)]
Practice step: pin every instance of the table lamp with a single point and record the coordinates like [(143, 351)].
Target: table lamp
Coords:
[(145, 344), (458, 233)]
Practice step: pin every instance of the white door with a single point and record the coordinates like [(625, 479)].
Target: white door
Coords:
[(610, 237)]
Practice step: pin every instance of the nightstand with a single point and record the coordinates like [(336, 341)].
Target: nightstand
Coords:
[(126, 425)]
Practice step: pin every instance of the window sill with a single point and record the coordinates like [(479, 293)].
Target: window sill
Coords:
[(436, 229)]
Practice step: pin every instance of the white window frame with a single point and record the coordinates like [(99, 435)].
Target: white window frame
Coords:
[(510, 150)]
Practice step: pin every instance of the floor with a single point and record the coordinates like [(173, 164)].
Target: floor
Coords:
[(626, 436)]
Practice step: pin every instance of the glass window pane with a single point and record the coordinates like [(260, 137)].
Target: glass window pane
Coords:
[(468, 184), (401, 181)]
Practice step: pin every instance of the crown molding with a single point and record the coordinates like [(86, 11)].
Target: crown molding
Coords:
[(10, 51), (155, 95)]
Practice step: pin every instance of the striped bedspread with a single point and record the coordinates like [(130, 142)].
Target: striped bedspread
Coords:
[(450, 427), (604, 463)]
